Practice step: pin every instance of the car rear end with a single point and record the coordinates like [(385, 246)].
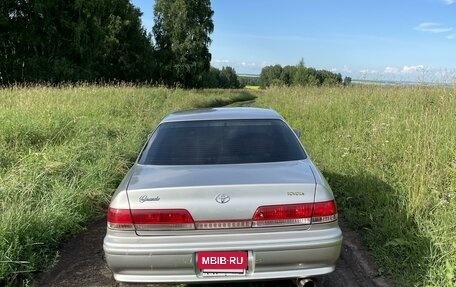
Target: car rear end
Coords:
[(200, 210)]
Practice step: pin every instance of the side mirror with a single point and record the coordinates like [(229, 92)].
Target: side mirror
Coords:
[(297, 132)]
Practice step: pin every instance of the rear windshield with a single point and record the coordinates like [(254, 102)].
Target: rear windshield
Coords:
[(221, 142)]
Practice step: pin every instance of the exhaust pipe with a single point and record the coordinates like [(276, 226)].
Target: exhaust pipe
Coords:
[(305, 282)]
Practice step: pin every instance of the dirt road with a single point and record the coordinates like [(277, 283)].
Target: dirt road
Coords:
[(81, 264)]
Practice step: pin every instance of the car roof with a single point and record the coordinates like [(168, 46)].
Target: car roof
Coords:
[(222, 114)]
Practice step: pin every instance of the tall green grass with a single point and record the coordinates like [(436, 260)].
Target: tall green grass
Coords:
[(62, 153), (389, 154)]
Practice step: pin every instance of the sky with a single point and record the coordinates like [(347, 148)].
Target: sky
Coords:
[(402, 40)]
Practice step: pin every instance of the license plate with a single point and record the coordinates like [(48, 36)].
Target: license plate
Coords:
[(214, 262)]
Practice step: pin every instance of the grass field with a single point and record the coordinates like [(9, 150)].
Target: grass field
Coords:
[(62, 153), (389, 154)]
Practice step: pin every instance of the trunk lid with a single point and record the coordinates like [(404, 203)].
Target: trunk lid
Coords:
[(221, 192)]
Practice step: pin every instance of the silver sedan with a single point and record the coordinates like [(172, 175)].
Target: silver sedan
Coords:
[(226, 194)]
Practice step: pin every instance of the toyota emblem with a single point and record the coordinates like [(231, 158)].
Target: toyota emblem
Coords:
[(222, 198)]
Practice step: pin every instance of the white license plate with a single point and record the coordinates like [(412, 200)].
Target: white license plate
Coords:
[(222, 263)]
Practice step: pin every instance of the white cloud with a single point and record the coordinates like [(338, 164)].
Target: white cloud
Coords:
[(412, 69), (243, 67), (444, 73), (334, 70), (250, 64), (412, 73), (432, 27), (391, 70), (346, 69), (367, 71), (448, 2), (221, 61), (404, 69)]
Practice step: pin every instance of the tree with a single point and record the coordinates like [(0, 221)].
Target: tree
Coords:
[(347, 81), (229, 79), (288, 74), (89, 40), (128, 52), (305, 76), (211, 79), (298, 75), (249, 80), (270, 73), (327, 78), (181, 31), (225, 78)]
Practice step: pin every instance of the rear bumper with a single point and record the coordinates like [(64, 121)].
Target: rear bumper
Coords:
[(272, 255)]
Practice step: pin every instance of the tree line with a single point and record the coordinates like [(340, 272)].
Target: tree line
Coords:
[(103, 41), (82, 40), (249, 80), (225, 78), (299, 75), (53, 41)]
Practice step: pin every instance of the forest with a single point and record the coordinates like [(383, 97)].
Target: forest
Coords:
[(104, 41)]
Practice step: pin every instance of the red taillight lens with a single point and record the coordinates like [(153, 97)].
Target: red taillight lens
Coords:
[(180, 219), (120, 219), (279, 215), (295, 214), (325, 211), (162, 219)]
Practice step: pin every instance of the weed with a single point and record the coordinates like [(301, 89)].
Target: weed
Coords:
[(389, 154), (63, 151)]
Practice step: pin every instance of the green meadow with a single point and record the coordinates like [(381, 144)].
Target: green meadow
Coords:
[(388, 152), (63, 151)]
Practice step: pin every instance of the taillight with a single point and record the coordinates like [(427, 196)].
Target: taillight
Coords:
[(295, 214), (180, 219), (325, 211), (120, 219), (162, 219), (279, 215)]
